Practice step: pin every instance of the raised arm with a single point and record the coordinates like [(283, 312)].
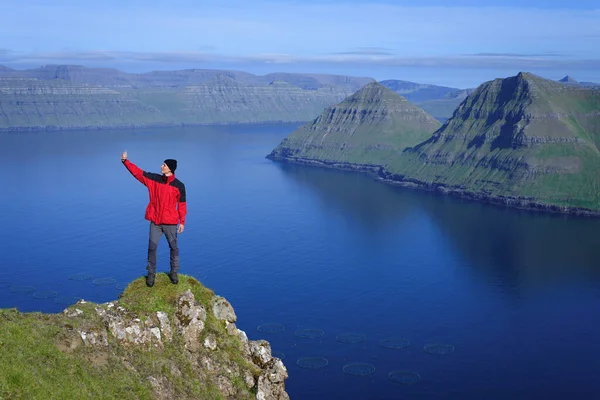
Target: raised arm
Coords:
[(135, 171)]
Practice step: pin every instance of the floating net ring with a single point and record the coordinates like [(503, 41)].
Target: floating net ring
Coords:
[(394, 343), (312, 362), (104, 281), (45, 295), (270, 328), (80, 277), (22, 289), (405, 377), (350, 338), (359, 369), (309, 333), (438, 348)]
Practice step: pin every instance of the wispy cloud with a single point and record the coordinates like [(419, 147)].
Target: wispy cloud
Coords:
[(287, 35), (517, 55), (357, 58), (372, 51)]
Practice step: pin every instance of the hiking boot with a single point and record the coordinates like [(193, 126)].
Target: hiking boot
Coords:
[(150, 280), (173, 277)]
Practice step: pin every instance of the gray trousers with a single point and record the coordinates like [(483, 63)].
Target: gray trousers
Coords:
[(156, 232)]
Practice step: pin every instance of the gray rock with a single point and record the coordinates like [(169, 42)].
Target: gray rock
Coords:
[(225, 386), (260, 351), (277, 372), (231, 328), (189, 320), (249, 379), (223, 310), (73, 312), (207, 363), (165, 325), (92, 338), (271, 382), (210, 342), (128, 329), (245, 342)]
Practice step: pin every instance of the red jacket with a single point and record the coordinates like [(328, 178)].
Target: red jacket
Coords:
[(167, 196)]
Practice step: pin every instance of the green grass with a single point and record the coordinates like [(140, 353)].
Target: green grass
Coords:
[(36, 365), (34, 368)]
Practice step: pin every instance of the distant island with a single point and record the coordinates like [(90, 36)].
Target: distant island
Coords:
[(521, 141)]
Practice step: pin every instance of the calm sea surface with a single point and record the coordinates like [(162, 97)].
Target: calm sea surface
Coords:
[(512, 297)]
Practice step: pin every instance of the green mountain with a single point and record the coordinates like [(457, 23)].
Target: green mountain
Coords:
[(572, 81), (418, 92), (71, 96), (437, 101), (36, 104), (179, 78), (523, 141), (369, 128)]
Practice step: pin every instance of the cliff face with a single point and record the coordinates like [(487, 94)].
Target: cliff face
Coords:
[(34, 104), (68, 96), (522, 137), (223, 100), (371, 127), (163, 342)]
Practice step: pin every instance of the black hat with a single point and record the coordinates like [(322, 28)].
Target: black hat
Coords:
[(172, 164)]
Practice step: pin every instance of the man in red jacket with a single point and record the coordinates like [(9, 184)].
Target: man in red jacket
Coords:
[(166, 209)]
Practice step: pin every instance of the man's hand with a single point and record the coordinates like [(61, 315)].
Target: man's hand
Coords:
[(124, 156), (180, 228)]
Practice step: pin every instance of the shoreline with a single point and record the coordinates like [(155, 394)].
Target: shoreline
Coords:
[(378, 173)]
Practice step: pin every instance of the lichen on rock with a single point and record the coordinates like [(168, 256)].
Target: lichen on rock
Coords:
[(223, 310)]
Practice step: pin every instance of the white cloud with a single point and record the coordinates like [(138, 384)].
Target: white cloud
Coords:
[(367, 59)]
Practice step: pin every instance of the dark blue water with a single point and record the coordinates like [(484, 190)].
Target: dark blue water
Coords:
[(516, 294)]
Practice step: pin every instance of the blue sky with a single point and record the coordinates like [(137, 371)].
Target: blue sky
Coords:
[(459, 43)]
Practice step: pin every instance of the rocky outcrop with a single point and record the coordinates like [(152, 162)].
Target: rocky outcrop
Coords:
[(217, 353)]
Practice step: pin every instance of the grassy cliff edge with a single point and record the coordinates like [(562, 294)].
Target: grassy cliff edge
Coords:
[(168, 341)]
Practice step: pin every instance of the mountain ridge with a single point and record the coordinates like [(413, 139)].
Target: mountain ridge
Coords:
[(371, 125), (522, 141)]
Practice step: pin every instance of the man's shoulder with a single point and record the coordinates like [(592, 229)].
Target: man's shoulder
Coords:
[(153, 176), (176, 182)]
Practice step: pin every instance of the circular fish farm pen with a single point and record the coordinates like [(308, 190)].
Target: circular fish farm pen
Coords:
[(358, 369), (270, 328), (404, 377), (310, 333), (438, 348), (312, 362), (394, 343), (80, 277), (350, 338)]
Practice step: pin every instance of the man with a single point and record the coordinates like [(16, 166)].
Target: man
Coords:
[(166, 209)]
